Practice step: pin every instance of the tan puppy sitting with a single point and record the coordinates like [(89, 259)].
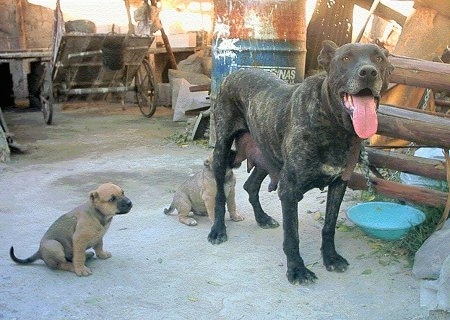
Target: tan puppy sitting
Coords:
[(198, 195), (64, 244)]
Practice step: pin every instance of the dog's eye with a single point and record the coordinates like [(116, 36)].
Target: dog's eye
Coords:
[(346, 58), (379, 59), (112, 199)]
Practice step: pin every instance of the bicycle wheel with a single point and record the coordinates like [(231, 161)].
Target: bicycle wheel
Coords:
[(145, 89)]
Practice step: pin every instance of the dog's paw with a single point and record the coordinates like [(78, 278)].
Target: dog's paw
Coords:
[(188, 221), (104, 255), (268, 223), (300, 275), (236, 217), (89, 255), (217, 237), (83, 271), (335, 263)]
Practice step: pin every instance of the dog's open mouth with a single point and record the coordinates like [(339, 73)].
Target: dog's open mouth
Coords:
[(362, 108)]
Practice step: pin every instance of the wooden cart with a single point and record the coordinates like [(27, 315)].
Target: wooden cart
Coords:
[(92, 64)]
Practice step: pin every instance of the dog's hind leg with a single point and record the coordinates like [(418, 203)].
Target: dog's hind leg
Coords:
[(331, 259), (52, 253), (252, 186)]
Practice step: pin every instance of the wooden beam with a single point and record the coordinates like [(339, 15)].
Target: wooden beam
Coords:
[(400, 191), (420, 73), (430, 168), (383, 11), (412, 125)]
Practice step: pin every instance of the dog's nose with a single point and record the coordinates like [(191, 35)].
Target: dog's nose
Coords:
[(125, 205), (128, 203), (368, 72)]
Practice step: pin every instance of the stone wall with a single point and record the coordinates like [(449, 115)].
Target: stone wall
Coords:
[(9, 29), (23, 27), (38, 22)]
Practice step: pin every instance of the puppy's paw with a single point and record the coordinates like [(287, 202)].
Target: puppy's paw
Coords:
[(104, 255), (89, 255), (236, 217), (83, 271), (188, 221)]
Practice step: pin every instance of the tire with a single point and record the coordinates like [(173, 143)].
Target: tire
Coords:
[(145, 89)]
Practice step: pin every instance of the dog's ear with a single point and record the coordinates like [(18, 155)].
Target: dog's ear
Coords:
[(93, 195), (388, 69), (387, 54), (326, 54)]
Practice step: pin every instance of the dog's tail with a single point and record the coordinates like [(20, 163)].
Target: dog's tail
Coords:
[(170, 209), (31, 259)]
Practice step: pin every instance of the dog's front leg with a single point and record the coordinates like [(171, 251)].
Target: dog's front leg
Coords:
[(218, 233), (99, 252), (297, 273), (79, 255), (331, 259), (231, 205)]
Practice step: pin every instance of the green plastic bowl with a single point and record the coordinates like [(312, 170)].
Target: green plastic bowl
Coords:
[(385, 220)]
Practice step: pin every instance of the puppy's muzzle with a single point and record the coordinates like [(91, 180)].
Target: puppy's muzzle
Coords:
[(124, 205)]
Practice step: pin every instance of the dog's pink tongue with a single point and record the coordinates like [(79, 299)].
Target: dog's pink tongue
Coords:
[(365, 121)]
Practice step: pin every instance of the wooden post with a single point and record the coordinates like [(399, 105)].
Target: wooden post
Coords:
[(170, 55)]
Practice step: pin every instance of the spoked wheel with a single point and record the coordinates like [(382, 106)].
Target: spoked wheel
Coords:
[(145, 89), (46, 97)]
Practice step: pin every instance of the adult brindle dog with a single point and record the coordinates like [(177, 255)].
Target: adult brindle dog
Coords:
[(302, 136)]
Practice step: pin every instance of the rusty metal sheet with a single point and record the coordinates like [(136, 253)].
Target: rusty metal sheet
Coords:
[(262, 19)]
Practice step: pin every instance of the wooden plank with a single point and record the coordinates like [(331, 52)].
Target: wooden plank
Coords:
[(412, 125), (420, 73), (429, 168), (400, 191), (383, 11)]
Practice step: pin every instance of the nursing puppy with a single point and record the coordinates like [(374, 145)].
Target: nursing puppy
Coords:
[(64, 244), (303, 136), (198, 195)]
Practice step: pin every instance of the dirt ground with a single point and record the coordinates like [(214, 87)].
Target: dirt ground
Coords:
[(161, 269)]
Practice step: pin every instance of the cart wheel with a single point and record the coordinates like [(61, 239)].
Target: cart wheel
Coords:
[(145, 89), (46, 97)]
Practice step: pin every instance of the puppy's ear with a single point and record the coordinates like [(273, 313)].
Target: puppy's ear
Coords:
[(326, 54), (93, 195)]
